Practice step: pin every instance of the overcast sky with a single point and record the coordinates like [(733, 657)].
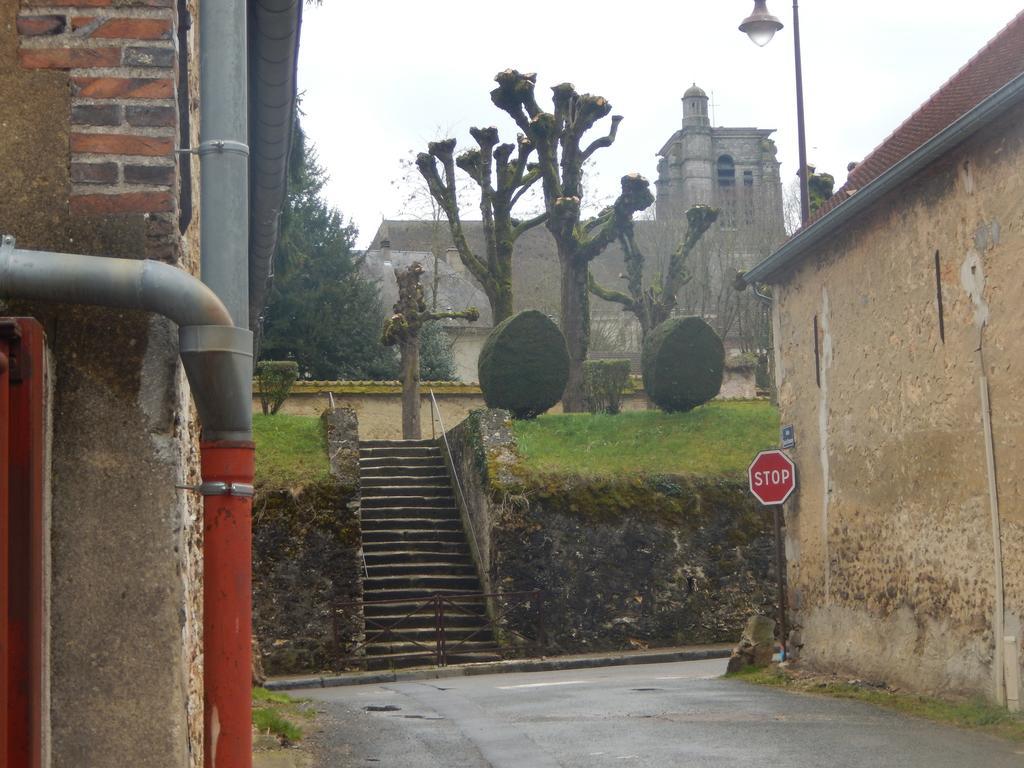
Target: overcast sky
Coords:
[(379, 79)]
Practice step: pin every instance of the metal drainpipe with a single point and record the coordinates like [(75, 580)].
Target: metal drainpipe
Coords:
[(227, 458), (217, 358)]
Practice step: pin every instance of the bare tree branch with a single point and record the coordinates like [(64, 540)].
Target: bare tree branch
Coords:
[(604, 141), (528, 181), (514, 95), (445, 195), (699, 219), (471, 314), (635, 196), (609, 295), (523, 226)]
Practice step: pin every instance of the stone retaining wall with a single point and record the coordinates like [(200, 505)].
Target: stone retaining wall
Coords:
[(625, 562), (306, 561)]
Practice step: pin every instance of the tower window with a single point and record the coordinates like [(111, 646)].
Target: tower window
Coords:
[(748, 178), (726, 172)]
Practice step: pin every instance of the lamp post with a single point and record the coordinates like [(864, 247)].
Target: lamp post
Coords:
[(761, 26)]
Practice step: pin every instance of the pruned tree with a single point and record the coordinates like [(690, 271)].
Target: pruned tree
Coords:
[(654, 304), (557, 138), (502, 179), (402, 329)]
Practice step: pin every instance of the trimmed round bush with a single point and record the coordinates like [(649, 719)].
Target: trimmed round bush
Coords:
[(682, 360), (524, 365)]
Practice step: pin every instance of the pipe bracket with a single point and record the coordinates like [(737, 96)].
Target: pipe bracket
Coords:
[(221, 146), (221, 488)]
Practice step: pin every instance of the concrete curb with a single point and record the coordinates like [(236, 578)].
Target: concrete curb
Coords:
[(497, 667)]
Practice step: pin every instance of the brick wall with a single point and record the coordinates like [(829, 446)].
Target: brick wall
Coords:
[(121, 59), (98, 93)]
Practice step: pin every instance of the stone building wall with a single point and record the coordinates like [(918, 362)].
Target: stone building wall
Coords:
[(890, 537), (91, 119)]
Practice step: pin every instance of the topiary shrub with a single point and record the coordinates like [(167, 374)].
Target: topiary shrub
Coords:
[(603, 382), (275, 379), (683, 360), (524, 365)]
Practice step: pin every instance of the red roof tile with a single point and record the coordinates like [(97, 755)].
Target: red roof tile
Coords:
[(990, 69)]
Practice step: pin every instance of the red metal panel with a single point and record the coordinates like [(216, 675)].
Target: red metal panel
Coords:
[(23, 486), (4, 534)]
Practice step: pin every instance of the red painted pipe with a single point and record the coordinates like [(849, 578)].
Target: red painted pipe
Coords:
[(227, 605)]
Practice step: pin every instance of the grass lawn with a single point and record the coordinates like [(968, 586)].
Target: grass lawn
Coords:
[(290, 450), (719, 438)]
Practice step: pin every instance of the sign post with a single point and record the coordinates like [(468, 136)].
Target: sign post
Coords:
[(772, 476)]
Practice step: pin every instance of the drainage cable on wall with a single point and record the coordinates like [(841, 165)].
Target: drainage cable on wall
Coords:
[(997, 545)]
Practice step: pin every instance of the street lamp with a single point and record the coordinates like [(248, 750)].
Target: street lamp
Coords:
[(761, 26)]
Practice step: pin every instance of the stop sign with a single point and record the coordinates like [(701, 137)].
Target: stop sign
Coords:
[(772, 477)]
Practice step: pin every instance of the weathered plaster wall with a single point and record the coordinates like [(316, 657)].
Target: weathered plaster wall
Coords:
[(306, 563), (890, 541), (624, 562), (125, 603)]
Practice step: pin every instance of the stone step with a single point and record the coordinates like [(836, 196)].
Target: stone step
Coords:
[(389, 615), (408, 502), (397, 538), (383, 513), (439, 567), (402, 481), (411, 594), (391, 443), (402, 661), (407, 492), (412, 550), (434, 513), (385, 473), (402, 462), (399, 558), (480, 633), (422, 568), (399, 450), (428, 581), (452, 523), (379, 650)]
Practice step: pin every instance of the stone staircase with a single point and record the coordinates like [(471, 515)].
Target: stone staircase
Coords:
[(415, 548)]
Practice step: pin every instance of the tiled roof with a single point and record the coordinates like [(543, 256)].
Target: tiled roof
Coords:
[(990, 69)]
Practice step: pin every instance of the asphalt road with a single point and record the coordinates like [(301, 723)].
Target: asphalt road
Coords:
[(678, 715)]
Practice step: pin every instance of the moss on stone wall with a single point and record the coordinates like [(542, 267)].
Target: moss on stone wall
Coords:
[(631, 562)]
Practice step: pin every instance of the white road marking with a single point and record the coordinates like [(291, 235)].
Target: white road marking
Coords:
[(689, 677), (541, 685)]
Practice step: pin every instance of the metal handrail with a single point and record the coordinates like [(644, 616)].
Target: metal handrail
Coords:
[(451, 462)]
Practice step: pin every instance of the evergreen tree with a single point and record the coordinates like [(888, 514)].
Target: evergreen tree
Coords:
[(322, 313), (437, 363)]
